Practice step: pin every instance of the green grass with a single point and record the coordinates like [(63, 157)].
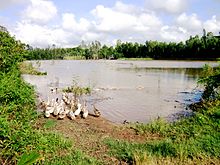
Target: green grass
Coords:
[(27, 68), (50, 123), (197, 137), (73, 157)]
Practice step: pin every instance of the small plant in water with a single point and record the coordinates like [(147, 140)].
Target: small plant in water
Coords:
[(77, 90), (28, 68)]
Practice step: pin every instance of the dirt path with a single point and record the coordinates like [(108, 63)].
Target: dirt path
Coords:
[(88, 135)]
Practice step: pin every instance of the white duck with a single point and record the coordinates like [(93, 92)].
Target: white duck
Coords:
[(85, 111), (50, 109), (47, 114), (77, 112), (62, 112), (48, 103), (62, 115), (61, 107), (73, 105), (65, 98), (97, 113), (67, 109), (71, 115), (56, 108)]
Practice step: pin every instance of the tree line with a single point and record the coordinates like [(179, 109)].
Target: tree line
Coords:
[(196, 47)]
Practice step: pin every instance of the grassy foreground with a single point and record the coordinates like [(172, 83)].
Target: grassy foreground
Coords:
[(194, 140)]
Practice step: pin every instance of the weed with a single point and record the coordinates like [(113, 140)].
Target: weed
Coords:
[(27, 68), (77, 90)]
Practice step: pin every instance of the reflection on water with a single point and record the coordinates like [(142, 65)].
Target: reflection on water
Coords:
[(126, 90), (188, 72)]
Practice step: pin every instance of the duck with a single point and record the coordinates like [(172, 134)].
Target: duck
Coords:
[(50, 109), (65, 98), (97, 113), (71, 115), (85, 111), (47, 114), (77, 112), (61, 107), (56, 108), (73, 105), (62, 115), (62, 112), (42, 105), (48, 103), (67, 109)]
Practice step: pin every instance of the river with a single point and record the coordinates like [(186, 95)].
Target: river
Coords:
[(126, 90)]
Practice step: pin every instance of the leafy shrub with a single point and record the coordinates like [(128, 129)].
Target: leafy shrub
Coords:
[(11, 51), (211, 80)]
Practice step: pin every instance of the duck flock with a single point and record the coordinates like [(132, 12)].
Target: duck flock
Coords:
[(66, 107)]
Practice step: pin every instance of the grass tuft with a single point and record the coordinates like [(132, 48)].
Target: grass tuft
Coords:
[(28, 68)]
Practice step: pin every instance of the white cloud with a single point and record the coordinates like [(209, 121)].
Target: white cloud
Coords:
[(212, 25), (125, 8), (191, 22), (43, 36), (70, 23), (110, 20), (33, 34), (170, 6), (40, 11), (107, 24), (92, 36), (114, 21), (173, 33)]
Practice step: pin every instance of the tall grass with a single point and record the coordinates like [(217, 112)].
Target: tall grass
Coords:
[(193, 138)]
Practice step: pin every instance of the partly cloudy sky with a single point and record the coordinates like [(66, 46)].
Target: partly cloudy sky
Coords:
[(65, 23)]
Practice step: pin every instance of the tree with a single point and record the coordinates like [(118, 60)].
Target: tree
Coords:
[(11, 51)]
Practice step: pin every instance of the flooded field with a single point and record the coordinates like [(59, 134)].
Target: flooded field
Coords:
[(125, 90)]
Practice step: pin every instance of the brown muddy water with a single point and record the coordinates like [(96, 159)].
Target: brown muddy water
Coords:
[(126, 90)]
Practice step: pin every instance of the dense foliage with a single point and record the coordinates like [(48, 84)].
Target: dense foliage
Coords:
[(205, 47), (11, 51), (211, 80)]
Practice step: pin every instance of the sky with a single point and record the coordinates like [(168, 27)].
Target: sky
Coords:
[(66, 23)]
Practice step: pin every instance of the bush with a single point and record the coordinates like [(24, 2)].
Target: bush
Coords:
[(211, 80), (11, 51)]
